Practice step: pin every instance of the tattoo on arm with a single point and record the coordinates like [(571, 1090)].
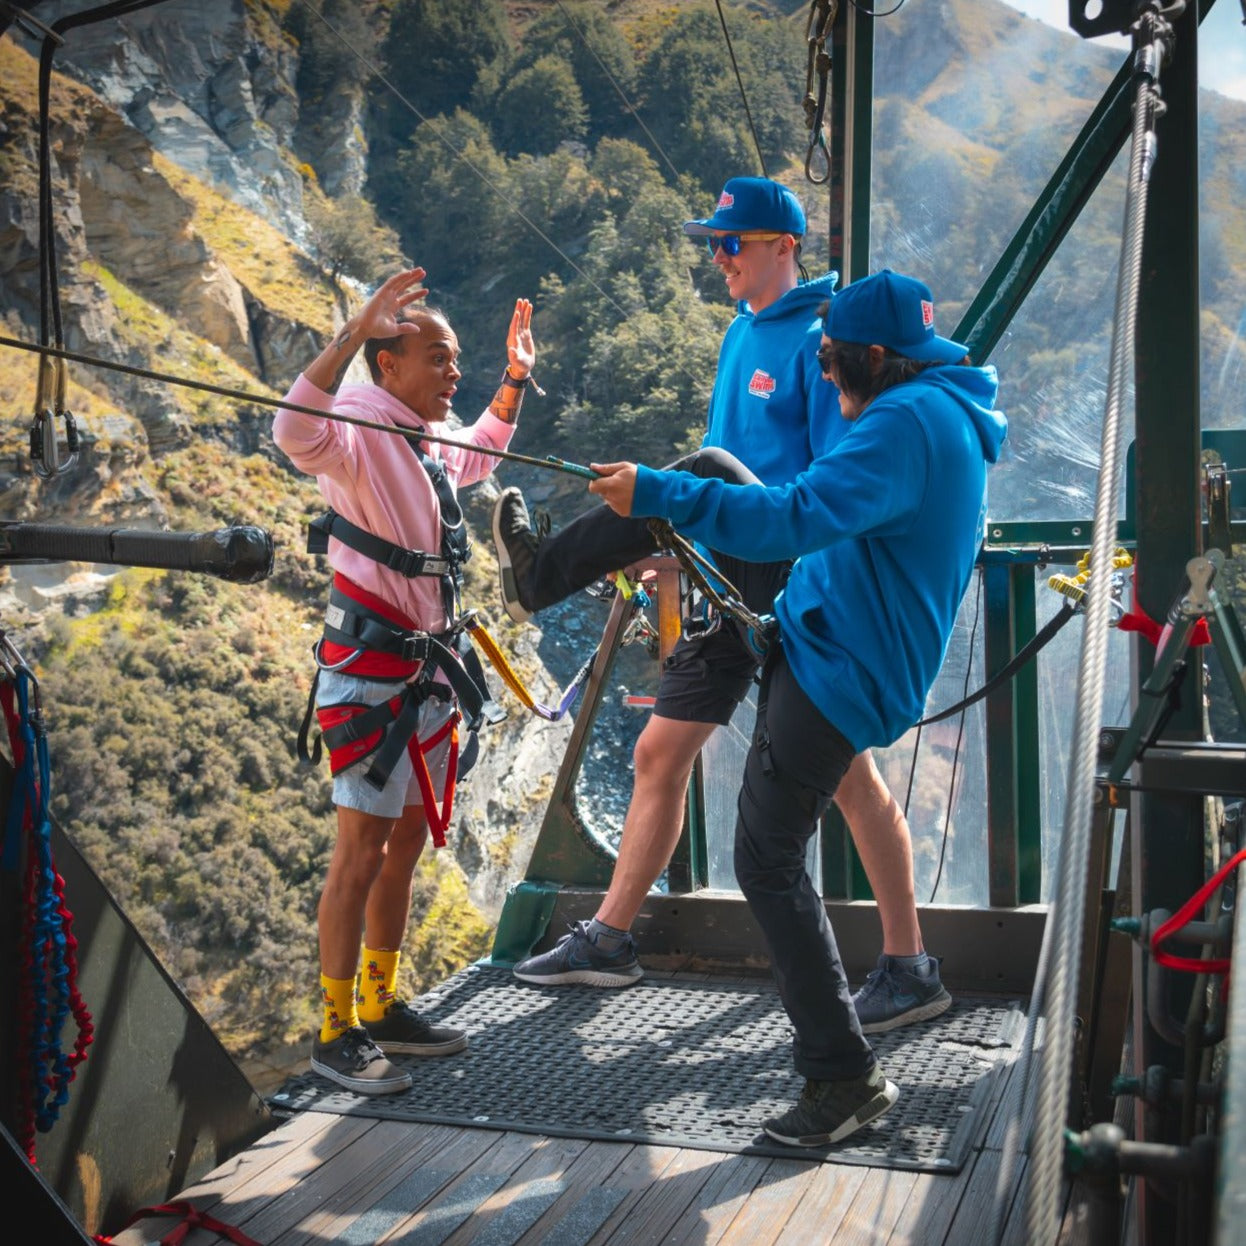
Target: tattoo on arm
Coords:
[(506, 403), (342, 342)]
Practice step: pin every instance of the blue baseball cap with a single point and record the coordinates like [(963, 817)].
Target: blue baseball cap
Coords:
[(750, 204), (889, 309)]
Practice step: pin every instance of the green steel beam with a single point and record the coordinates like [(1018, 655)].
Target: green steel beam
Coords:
[(1168, 830), (852, 137)]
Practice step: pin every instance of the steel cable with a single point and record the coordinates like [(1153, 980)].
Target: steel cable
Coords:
[(1055, 981)]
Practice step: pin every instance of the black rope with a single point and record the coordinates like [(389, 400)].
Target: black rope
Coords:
[(1067, 610), (960, 736), (740, 83), (550, 462)]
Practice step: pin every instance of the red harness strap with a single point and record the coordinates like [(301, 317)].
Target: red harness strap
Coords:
[(192, 1218), (347, 747)]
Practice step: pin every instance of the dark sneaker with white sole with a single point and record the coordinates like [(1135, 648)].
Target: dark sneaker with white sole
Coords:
[(892, 997), (355, 1062), (403, 1031), (829, 1111), (516, 546), (575, 958)]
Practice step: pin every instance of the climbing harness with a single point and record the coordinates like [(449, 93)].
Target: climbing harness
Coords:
[(47, 958)]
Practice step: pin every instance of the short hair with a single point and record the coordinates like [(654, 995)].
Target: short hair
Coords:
[(374, 345)]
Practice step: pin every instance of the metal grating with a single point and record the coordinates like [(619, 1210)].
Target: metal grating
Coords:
[(684, 1063)]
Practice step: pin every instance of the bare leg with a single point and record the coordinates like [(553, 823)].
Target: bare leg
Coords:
[(357, 859), (664, 756), (881, 834), (389, 900)]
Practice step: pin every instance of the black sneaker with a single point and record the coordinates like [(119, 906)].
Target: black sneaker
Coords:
[(355, 1062), (829, 1111), (576, 958), (892, 997), (516, 546), (402, 1031)]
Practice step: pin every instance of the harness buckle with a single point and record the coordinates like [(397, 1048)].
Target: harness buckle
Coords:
[(415, 646)]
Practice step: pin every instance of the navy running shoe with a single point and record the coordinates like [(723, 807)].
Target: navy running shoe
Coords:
[(575, 958)]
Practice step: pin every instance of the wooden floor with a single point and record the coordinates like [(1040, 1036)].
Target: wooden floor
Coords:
[(319, 1178)]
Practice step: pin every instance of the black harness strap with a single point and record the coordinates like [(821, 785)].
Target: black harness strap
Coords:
[(408, 562)]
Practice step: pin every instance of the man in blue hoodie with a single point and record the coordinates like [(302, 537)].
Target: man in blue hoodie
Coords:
[(885, 528), (771, 408)]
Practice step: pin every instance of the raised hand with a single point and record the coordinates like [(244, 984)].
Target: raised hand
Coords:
[(381, 315), (520, 349)]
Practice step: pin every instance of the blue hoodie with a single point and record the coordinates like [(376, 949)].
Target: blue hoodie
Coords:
[(770, 406), (886, 528)]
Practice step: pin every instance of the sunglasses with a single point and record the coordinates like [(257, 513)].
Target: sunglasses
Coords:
[(826, 356), (730, 243)]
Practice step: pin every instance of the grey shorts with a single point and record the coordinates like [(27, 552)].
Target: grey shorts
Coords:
[(704, 679), (350, 789)]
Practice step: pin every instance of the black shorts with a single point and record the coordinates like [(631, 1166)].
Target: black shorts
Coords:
[(704, 679)]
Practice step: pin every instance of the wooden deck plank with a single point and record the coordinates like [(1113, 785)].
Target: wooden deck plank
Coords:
[(238, 1191), (532, 1189), (337, 1179), (471, 1184), (878, 1205), (722, 1197), (383, 1161), (643, 1169), (602, 1177), (824, 1204), (769, 1205), (657, 1211)]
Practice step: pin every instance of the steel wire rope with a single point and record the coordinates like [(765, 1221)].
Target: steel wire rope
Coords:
[(628, 106), (761, 160), (1061, 946), (497, 190)]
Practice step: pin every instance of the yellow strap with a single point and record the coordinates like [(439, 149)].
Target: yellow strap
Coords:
[(498, 660)]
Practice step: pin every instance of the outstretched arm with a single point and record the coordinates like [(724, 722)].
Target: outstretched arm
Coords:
[(520, 356), (380, 316)]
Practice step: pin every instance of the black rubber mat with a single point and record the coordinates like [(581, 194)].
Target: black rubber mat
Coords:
[(679, 1062)]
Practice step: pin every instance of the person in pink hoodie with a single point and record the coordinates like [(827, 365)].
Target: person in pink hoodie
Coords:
[(391, 685)]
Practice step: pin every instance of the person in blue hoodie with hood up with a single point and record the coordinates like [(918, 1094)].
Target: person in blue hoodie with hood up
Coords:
[(885, 529), (772, 410)]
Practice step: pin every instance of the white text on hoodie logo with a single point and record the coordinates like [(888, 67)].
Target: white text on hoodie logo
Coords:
[(761, 384)]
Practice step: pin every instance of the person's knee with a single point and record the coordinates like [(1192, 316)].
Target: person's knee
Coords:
[(660, 756), (714, 462)]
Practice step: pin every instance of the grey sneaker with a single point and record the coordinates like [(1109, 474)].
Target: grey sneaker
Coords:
[(576, 958), (403, 1031), (892, 997), (829, 1111), (516, 546), (355, 1062)]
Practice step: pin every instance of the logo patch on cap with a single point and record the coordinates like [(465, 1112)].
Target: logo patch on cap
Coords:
[(761, 384), (927, 314), (726, 201)]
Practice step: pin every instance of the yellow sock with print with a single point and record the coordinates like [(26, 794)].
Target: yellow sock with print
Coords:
[(378, 983), (338, 997)]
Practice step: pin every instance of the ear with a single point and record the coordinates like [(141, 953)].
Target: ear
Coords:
[(385, 360), (877, 354)]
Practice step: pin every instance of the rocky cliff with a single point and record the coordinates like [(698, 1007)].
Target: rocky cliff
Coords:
[(180, 158)]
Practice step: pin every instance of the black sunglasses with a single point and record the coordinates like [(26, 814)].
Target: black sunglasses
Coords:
[(825, 356)]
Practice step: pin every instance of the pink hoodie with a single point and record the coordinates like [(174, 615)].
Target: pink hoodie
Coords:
[(375, 480)]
